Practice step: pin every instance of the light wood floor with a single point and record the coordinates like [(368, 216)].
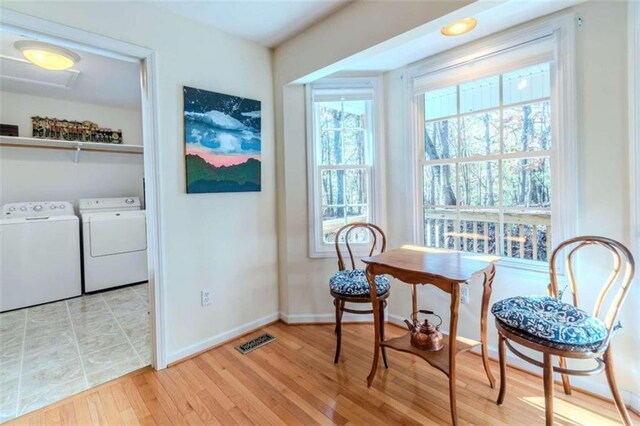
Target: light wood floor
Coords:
[(294, 381)]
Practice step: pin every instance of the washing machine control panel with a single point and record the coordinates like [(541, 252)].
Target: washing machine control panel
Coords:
[(37, 209), (108, 204)]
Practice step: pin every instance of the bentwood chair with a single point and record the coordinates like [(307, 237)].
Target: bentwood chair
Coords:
[(547, 325), (351, 285)]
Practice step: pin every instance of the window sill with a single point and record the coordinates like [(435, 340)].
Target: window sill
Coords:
[(331, 254)]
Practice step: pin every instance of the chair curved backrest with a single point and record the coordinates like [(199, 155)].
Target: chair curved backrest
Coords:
[(623, 269), (377, 235)]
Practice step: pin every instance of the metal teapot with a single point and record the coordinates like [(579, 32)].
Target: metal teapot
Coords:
[(426, 336)]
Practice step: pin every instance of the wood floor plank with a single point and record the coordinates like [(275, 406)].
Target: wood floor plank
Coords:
[(357, 392), (164, 397), (108, 403), (221, 414), (294, 381), (334, 411), (381, 398), (179, 399), (154, 407), (196, 374), (270, 414), (135, 400), (239, 417), (38, 419), (201, 409), (120, 397), (96, 410), (129, 417), (52, 417), (230, 392), (269, 390), (68, 414), (291, 388), (375, 403), (82, 411)]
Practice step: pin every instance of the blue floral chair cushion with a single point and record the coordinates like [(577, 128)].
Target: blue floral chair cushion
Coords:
[(550, 319), (353, 282)]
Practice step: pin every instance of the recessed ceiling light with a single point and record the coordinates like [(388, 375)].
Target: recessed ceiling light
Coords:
[(47, 55), (459, 27)]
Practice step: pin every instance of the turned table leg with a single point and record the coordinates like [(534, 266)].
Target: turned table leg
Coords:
[(453, 341), (486, 295), (414, 303), (376, 324)]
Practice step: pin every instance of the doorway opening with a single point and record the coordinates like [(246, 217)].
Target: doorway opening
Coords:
[(80, 297)]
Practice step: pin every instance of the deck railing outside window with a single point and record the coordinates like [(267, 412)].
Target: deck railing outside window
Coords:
[(486, 167)]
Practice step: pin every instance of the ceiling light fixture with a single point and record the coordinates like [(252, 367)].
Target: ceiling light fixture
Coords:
[(47, 56), (459, 27)]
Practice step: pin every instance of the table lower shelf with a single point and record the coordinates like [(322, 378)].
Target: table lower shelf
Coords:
[(438, 359)]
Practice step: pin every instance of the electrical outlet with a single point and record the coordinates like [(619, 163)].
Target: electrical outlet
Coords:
[(205, 297), (464, 294)]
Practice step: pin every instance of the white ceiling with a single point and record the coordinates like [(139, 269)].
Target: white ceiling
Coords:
[(425, 41), (267, 22), (108, 81), (99, 79)]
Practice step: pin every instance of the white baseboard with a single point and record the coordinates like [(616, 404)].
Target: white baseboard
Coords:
[(635, 402), (323, 318), (397, 320), (221, 338)]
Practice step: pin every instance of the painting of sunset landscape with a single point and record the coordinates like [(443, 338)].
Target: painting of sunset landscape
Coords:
[(222, 142)]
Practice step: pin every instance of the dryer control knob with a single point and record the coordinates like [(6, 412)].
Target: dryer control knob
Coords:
[(52, 207), (23, 208), (129, 201), (61, 206), (37, 207), (11, 209)]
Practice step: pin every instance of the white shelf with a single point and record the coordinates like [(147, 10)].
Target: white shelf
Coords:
[(70, 145)]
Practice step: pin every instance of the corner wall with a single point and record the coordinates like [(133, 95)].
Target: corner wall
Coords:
[(225, 242), (304, 295)]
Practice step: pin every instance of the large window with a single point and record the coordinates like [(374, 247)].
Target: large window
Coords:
[(342, 145), (486, 167), (491, 163)]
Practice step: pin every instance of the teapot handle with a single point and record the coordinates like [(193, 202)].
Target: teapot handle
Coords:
[(424, 311)]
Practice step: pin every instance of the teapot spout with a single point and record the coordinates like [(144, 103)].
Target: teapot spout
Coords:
[(409, 325)]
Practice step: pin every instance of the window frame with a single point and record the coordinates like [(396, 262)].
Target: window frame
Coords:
[(375, 167), (563, 116)]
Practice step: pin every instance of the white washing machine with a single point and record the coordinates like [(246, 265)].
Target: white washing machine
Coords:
[(39, 254), (114, 240)]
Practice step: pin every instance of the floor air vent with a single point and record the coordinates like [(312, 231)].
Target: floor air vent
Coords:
[(253, 344)]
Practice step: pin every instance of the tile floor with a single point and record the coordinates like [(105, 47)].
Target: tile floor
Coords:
[(52, 351)]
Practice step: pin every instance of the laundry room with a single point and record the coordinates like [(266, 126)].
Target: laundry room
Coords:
[(74, 296)]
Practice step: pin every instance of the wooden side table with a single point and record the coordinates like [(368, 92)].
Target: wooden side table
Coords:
[(447, 270)]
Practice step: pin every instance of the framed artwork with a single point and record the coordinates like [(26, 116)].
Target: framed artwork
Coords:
[(222, 142)]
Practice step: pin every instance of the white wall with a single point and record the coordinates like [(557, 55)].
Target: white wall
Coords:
[(225, 242), (28, 174)]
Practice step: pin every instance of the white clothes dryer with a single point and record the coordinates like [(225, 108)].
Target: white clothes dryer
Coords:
[(39, 254), (114, 237)]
